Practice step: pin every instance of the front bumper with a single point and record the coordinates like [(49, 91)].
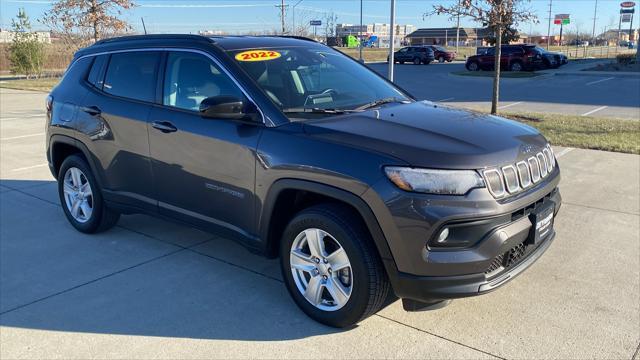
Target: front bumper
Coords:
[(505, 246)]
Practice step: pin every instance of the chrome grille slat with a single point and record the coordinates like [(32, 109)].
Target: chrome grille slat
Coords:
[(511, 179)]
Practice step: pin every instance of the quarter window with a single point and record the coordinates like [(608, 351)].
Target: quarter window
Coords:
[(191, 78), (132, 75), (96, 77)]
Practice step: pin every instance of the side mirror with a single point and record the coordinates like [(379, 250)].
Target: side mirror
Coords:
[(228, 107)]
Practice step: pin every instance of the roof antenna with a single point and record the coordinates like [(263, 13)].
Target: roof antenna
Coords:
[(143, 26)]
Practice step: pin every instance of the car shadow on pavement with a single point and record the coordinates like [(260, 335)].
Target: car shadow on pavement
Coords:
[(129, 281)]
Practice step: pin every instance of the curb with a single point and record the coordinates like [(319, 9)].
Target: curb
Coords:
[(621, 74)]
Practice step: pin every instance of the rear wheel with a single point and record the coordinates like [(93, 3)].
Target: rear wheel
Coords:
[(417, 61), (441, 59), (516, 66), (331, 267), (81, 198), (473, 66)]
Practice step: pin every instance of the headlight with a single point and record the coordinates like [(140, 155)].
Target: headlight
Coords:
[(431, 181)]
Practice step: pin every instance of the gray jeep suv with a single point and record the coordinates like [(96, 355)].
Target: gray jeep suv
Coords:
[(298, 152)]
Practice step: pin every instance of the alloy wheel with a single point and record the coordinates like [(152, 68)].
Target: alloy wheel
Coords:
[(321, 269), (78, 195)]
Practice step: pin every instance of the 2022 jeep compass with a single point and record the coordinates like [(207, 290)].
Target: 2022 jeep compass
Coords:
[(298, 152)]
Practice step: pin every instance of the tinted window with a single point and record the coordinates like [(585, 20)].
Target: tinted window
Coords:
[(191, 78), (132, 75), (96, 76)]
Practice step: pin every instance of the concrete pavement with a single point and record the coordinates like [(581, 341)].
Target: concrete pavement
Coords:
[(154, 289)]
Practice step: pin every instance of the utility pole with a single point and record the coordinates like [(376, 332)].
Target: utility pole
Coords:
[(593, 33), (549, 28), (391, 39), (282, 7)]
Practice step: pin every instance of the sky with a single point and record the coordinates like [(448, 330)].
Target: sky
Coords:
[(239, 16)]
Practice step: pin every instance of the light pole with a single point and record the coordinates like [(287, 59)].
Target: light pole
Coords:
[(391, 38), (458, 30), (595, 16), (295, 31), (360, 32), (549, 28)]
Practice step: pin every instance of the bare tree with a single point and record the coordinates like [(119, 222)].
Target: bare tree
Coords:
[(330, 20), (497, 15), (79, 21)]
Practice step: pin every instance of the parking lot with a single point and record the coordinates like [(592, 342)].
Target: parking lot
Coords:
[(153, 289), (589, 94)]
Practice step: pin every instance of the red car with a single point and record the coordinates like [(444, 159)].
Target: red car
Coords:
[(442, 54), (513, 58)]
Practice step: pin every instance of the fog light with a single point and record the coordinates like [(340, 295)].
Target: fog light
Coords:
[(443, 235)]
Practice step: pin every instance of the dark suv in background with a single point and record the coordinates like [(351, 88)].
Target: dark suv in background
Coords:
[(299, 152), (520, 57), (442, 54), (414, 54)]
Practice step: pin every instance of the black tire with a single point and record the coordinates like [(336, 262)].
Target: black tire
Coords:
[(370, 287), (417, 61), (473, 66), (516, 66), (102, 218)]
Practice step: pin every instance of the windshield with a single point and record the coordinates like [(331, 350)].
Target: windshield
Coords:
[(306, 78)]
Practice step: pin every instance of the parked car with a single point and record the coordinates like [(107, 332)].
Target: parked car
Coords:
[(513, 58), (300, 153), (551, 60), (414, 54), (441, 54)]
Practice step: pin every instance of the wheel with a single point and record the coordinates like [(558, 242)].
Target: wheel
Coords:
[(473, 66), (81, 198), (441, 59), (515, 66), (417, 61), (331, 267), (401, 61)]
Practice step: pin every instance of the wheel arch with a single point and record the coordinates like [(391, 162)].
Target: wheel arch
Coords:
[(282, 195), (61, 147)]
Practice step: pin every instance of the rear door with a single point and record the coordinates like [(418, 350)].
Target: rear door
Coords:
[(204, 168), (112, 123)]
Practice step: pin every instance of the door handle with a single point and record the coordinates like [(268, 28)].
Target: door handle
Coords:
[(92, 110), (164, 126)]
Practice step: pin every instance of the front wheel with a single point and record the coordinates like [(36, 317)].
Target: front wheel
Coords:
[(516, 67), (81, 198), (441, 59), (330, 266), (473, 66)]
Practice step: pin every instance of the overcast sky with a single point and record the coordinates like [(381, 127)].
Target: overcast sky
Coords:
[(237, 16)]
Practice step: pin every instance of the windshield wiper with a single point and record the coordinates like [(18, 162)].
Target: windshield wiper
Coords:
[(379, 102), (316, 111)]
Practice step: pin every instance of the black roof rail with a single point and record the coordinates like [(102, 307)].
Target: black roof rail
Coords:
[(153, 37)]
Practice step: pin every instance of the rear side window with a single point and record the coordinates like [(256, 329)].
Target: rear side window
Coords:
[(132, 75), (96, 75)]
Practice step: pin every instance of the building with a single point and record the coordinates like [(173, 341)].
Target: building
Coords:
[(614, 36), (7, 36), (381, 31), (447, 36), (542, 40)]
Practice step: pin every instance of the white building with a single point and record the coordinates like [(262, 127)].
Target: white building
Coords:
[(7, 36)]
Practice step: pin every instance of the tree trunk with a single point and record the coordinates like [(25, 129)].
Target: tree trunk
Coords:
[(94, 13), (496, 68)]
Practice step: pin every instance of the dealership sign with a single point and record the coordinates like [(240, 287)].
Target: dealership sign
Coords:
[(627, 4), (562, 19)]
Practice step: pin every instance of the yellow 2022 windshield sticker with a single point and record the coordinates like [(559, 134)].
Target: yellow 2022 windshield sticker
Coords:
[(257, 55)]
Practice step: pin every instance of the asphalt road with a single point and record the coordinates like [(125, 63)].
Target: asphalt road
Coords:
[(153, 289), (603, 95)]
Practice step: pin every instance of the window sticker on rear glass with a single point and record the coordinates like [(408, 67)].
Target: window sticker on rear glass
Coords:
[(257, 55)]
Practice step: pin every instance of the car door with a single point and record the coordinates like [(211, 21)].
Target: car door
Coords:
[(112, 124), (203, 168), (402, 54), (487, 59)]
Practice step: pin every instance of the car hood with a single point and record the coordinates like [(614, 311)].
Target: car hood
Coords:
[(423, 134)]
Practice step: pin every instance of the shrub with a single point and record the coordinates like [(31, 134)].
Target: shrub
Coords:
[(26, 52), (626, 59)]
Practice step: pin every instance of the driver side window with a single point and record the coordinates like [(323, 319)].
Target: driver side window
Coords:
[(191, 78)]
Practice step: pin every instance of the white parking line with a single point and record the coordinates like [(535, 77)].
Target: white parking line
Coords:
[(30, 167), (20, 137), (510, 105), (599, 81), (564, 152), (594, 110), (447, 99)]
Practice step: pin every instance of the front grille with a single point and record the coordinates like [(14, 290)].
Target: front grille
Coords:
[(512, 179), (507, 260)]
